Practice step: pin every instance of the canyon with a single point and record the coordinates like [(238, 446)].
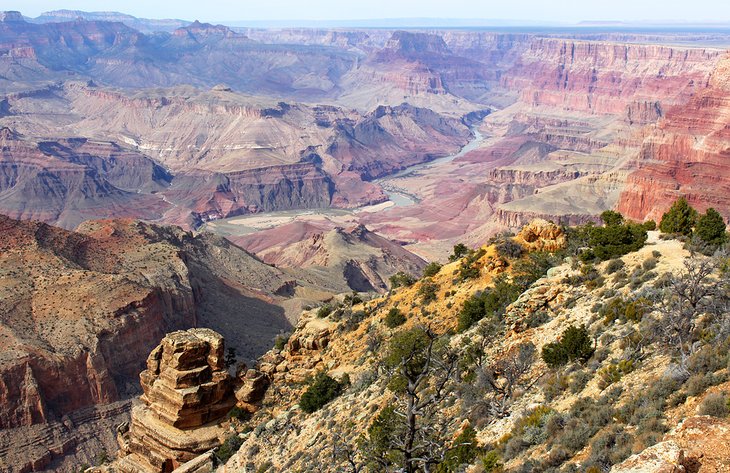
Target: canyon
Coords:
[(158, 176)]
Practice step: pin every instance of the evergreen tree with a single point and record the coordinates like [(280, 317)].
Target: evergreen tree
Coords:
[(680, 218), (711, 228)]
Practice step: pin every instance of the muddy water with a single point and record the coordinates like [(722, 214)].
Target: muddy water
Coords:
[(247, 224)]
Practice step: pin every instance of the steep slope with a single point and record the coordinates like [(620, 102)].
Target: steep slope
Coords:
[(72, 180), (686, 154), (80, 310), (520, 414)]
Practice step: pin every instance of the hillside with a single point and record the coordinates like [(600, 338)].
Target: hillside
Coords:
[(631, 389)]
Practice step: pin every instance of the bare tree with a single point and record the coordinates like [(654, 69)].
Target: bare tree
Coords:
[(496, 383), (692, 300), (421, 370)]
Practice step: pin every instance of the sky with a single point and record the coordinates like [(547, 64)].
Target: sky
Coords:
[(549, 11)]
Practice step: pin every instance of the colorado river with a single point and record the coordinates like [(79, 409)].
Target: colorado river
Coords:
[(246, 224), (398, 196)]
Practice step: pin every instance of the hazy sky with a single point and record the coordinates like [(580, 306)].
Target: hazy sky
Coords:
[(541, 10)]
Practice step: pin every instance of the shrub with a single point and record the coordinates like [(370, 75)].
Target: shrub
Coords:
[(614, 372), (280, 342), (460, 250), (618, 308), (322, 390), (614, 265), (491, 462), (229, 448), (508, 248), (680, 218), (463, 452), (324, 311), (649, 225), (574, 345), (612, 241), (401, 279), (427, 291), (711, 228), (469, 268), (394, 318), (432, 269), (715, 405), (611, 218)]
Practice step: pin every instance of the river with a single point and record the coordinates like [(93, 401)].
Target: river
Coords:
[(246, 224)]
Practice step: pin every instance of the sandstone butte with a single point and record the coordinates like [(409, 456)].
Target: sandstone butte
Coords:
[(181, 415)]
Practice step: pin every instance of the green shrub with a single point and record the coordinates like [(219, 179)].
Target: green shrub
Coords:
[(711, 228), (280, 342), (394, 318), (680, 218), (464, 451), (612, 241), (469, 268), (401, 279), (229, 448), (618, 308), (649, 225), (614, 372), (324, 311), (322, 390), (508, 248), (460, 250), (427, 291), (611, 218), (492, 462), (614, 265), (574, 344), (431, 270)]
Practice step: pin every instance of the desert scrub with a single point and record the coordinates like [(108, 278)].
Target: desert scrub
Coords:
[(394, 318), (614, 372), (427, 291), (574, 344), (624, 309), (530, 429), (432, 269), (716, 405), (322, 390)]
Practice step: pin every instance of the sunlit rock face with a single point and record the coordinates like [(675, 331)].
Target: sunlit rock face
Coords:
[(187, 394)]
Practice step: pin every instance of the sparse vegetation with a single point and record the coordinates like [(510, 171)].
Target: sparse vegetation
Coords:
[(401, 279), (322, 390), (574, 344), (394, 318), (431, 270)]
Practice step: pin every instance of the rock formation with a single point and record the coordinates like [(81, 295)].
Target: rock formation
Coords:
[(187, 394), (79, 312), (540, 235)]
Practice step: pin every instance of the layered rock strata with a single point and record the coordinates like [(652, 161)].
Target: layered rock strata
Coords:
[(187, 394)]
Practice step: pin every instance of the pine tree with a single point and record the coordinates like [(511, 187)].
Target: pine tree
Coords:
[(680, 218), (711, 228)]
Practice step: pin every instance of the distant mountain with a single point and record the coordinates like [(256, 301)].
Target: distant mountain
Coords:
[(145, 25)]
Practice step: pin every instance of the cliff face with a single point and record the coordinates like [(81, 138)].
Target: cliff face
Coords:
[(605, 77), (68, 181), (685, 154), (79, 310)]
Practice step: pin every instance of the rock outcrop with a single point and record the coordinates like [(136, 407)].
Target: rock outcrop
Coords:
[(187, 394), (541, 235), (698, 444), (79, 312)]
